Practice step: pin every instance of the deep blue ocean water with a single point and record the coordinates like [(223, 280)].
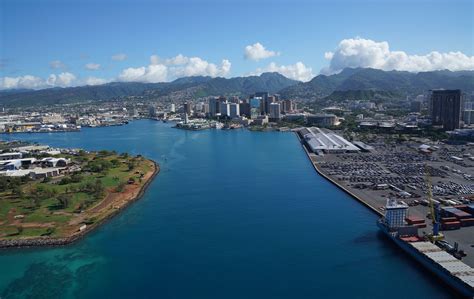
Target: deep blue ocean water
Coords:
[(232, 214)]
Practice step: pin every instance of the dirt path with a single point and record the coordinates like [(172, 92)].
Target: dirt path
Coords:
[(115, 200)]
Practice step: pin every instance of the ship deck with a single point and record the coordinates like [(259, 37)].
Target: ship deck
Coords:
[(454, 266)]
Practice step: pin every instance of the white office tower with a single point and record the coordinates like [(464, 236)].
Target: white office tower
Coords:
[(395, 213), (173, 108), (225, 109), (234, 110), (275, 111)]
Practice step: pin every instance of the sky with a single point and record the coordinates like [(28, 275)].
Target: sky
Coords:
[(46, 43)]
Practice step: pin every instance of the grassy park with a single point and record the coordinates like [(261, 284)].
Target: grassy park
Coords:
[(102, 183)]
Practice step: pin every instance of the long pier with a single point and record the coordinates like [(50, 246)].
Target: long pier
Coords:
[(321, 173)]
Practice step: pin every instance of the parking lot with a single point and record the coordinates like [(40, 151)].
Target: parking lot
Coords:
[(403, 172)]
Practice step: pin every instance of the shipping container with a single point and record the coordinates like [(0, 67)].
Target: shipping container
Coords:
[(420, 225), (414, 220), (448, 219), (451, 225), (467, 222), (453, 212)]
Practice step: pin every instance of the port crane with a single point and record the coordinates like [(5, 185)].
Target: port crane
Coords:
[(434, 209)]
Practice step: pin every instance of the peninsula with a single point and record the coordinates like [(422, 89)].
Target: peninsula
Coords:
[(53, 197)]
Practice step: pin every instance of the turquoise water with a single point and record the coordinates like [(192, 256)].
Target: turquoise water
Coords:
[(233, 214)]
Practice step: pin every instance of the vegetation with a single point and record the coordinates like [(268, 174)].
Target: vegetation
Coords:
[(366, 79), (197, 85), (55, 206)]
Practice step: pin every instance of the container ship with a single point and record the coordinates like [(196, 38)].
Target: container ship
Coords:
[(450, 269)]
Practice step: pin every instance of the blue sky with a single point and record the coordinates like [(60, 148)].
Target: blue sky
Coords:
[(48, 39)]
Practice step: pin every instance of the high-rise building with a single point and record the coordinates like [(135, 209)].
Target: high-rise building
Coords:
[(234, 110), (468, 117), (263, 96), (268, 101), (245, 108), (225, 109), (199, 107), (255, 107), (274, 109), (187, 108), (415, 106), (214, 107), (287, 106), (205, 108), (446, 108), (173, 108), (152, 111)]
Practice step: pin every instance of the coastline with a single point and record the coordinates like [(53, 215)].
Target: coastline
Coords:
[(53, 242), (321, 173)]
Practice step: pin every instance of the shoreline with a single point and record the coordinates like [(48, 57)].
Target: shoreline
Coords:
[(328, 178), (37, 242)]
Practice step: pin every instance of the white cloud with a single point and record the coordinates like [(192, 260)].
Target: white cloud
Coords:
[(196, 66), (57, 64), (119, 57), (297, 71), (359, 52), (162, 70), (61, 80), (155, 59), (95, 81), (257, 51), (27, 82), (64, 79), (179, 59), (92, 66), (149, 74)]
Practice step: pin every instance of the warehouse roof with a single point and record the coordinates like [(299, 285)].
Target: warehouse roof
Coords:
[(318, 139)]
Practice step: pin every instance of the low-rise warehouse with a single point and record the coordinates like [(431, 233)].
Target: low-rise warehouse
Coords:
[(326, 141)]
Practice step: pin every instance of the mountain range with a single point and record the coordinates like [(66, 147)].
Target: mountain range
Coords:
[(396, 82), (196, 86), (350, 79)]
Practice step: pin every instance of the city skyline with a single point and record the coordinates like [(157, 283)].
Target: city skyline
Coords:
[(86, 43)]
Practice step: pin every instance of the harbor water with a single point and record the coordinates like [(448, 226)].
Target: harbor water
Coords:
[(232, 214)]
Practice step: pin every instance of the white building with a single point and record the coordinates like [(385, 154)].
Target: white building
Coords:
[(326, 141), (225, 109), (173, 108)]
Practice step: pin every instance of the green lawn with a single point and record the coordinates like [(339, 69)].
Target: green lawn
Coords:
[(48, 194)]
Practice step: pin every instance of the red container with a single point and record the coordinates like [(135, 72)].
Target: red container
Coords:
[(452, 225), (448, 219), (461, 207), (414, 220), (467, 222)]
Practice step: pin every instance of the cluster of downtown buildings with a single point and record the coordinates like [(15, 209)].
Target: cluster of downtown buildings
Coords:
[(258, 108)]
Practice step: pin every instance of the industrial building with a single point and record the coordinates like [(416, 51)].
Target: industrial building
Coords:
[(319, 141)]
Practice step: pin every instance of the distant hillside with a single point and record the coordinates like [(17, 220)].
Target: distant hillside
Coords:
[(361, 95), (371, 79), (198, 86)]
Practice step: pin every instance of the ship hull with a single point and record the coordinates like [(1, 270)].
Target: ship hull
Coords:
[(430, 265)]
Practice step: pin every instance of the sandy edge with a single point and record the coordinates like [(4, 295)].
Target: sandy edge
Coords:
[(51, 242)]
